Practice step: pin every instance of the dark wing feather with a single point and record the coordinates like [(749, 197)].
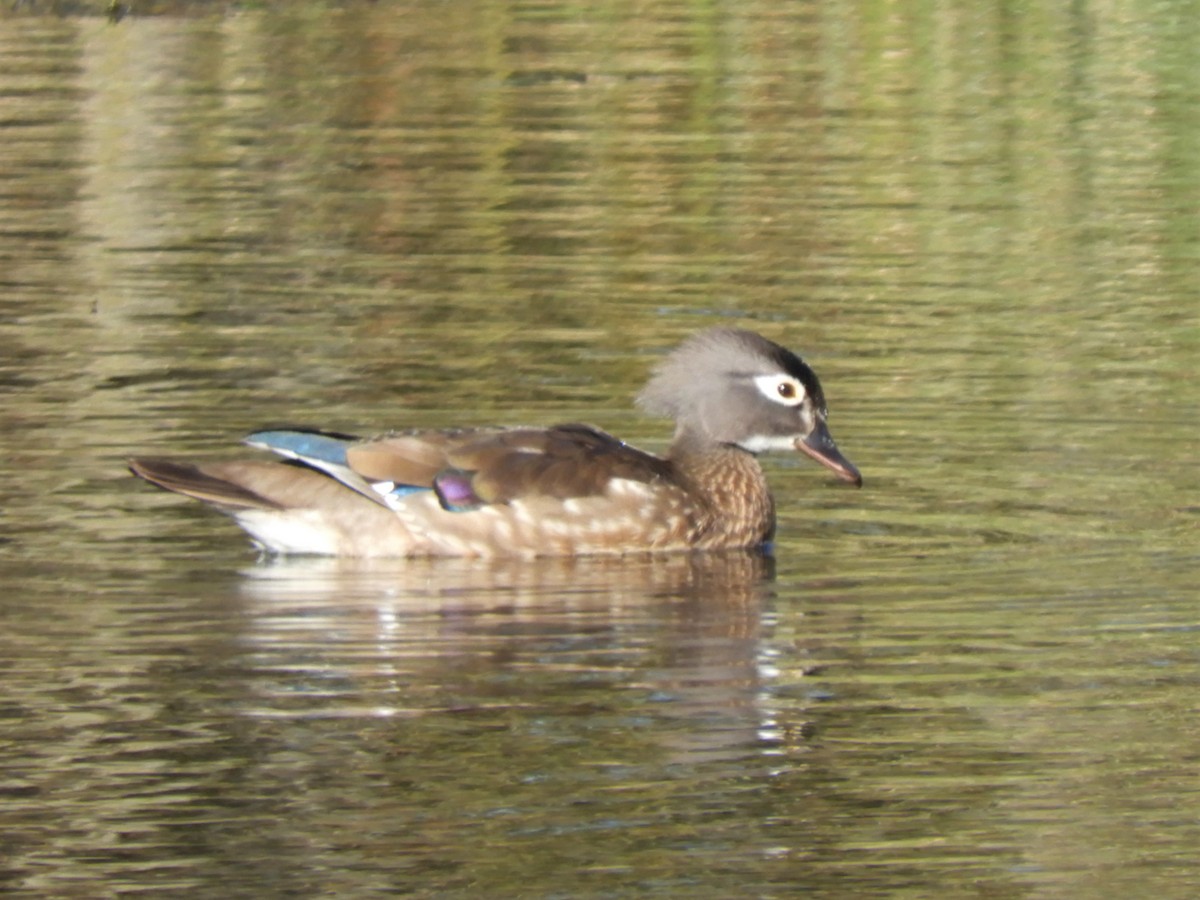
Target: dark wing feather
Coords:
[(506, 464), (192, 481)]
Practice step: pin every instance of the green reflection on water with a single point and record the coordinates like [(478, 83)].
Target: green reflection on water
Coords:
[(974, 674)]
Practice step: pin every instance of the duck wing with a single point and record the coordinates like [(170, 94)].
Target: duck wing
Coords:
[(471, 468)]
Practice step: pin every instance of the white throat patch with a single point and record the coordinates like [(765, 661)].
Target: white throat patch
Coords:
[(764, 443)]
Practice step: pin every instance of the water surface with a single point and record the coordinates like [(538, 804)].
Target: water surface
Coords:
[(974, 677)]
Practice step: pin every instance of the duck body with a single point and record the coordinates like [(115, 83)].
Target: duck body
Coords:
[(563, 490)]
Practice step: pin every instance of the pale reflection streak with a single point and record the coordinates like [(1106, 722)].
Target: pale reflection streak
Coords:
[(417, 637)]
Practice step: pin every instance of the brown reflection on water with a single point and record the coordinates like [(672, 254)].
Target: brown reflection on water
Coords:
[(976, 675), (417, 637), (225, 723)]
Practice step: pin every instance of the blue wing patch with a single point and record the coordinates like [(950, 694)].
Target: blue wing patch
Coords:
[(304, 445), (326, 452), (392, 494), (403, 490)]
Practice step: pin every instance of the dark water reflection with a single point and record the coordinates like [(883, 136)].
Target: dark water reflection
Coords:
[(975, 677), (420, 712), (576, 618)]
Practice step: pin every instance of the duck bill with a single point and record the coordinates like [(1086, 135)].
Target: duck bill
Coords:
[(820, 446)]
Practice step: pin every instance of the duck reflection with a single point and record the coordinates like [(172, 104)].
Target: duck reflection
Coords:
[(668, 645)]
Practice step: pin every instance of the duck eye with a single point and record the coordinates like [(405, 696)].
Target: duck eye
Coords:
[(782, 389)]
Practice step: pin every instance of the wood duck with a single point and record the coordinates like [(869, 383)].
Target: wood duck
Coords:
[(565, 490)]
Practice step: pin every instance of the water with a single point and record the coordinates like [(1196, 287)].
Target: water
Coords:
[(974, 677)]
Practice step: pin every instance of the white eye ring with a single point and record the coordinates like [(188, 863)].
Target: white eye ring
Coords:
[(782, 389)]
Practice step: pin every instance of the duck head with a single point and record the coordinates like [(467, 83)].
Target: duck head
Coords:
[(730, 386)]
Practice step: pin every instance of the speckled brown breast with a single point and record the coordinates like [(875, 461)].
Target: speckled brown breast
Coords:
[(734, 505)]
